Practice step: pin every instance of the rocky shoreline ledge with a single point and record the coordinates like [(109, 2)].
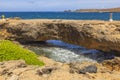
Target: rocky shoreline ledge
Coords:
[(19, 70), (100, 35)]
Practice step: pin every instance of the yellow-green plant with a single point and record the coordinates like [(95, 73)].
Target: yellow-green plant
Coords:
[(12, 51)]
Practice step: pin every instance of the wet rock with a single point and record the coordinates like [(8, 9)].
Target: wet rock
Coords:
[(82, 69), (89, 69)]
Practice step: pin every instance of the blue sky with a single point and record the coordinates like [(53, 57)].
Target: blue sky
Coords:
[(55, 5)]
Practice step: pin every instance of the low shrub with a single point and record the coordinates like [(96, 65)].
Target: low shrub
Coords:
[(12, 51)]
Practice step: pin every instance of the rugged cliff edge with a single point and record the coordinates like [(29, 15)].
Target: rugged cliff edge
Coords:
[(101, 35)]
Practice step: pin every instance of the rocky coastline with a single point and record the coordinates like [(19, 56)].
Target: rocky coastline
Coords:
[(19, 70), (95, 10), (101, 35)]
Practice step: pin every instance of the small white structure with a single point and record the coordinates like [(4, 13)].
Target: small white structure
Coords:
[(110, 19)]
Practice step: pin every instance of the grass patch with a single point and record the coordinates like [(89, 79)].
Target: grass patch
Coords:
[(11, 51)]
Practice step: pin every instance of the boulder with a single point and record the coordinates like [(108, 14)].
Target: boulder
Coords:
[(82, 68), (46, 70)]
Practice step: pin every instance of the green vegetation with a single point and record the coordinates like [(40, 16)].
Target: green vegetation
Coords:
[(11, 51)]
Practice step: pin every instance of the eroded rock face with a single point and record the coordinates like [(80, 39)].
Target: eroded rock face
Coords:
[(101, 35), (113, 64)]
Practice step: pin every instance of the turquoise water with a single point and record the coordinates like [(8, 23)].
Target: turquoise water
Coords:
[(61, 15)]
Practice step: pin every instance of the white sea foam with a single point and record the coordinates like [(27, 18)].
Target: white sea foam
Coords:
[(64, 55), (63, 52)]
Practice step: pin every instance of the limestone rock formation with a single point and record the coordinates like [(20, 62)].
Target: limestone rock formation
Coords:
[(19, 70), (113, 64), (101, 35)]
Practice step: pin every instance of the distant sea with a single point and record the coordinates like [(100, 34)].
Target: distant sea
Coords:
[(62, 15)]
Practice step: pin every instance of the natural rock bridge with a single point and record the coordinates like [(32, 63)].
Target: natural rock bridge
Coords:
[(101, 35)]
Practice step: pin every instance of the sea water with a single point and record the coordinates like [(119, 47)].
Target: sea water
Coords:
[(64, 52), (62, 15)]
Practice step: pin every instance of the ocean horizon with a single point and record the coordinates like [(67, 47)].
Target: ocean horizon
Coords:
[(63, 15)]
